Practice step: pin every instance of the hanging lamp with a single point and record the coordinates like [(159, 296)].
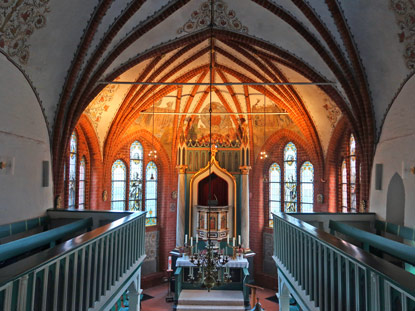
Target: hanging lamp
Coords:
[(209, 261)]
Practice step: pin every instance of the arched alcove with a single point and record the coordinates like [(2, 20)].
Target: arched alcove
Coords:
[(395, 202), (218, 189)]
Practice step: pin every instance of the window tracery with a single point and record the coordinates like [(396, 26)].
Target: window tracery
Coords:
[(283, 184)]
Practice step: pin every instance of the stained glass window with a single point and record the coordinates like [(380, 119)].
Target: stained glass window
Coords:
[(344, 186), (136, 176), (352, 173), (118, 185), (307, 187), (274, 191), (151, 194), (81, 194), (290, 178), (72, 170)]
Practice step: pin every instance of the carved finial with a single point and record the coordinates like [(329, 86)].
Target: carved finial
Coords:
[(214, 151)]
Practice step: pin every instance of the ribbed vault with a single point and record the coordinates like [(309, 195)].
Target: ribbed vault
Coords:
[(318, 55)]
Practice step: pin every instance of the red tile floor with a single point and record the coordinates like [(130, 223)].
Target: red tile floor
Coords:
[(158, 303)]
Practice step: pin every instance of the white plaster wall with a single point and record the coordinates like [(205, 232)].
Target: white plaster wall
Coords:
[(24, 137), (396, 151)]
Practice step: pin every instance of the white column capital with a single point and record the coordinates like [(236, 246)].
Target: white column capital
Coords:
[(182, 169), (245, 169)]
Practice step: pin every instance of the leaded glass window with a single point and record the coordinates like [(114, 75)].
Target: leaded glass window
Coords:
[(290, 178), (81, 194), (118, 185), (72, 170), (151, 194), (352, 173), (274, 191), (136, 176), (307, 187), (344, 186)]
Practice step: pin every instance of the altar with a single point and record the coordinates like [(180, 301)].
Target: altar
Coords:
[(238, 262), (237, 268)]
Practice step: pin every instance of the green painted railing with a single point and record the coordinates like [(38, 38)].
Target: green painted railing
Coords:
[(326, 273), (22, 226), (401, 251), (401, 231), (83, 273), (49, 237)]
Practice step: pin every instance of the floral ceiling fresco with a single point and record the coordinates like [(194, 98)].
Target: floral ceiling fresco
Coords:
[(19, 19), (163, 123), (333, 112), (405, 16), (101, 104), (224, 18), (266, 125)]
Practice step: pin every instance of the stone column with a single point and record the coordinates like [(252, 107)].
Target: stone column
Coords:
[(181, 205), (245, 206)]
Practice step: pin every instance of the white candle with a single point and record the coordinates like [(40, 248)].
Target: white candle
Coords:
[(227, 239), (169, 261), (197, 239), (233, 241), (239, 240), (191, 241), (185, 239)]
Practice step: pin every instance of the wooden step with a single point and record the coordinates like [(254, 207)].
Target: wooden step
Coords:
[(203, 300), (209, 308)]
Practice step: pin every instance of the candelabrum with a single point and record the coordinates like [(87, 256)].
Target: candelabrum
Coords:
[(210, 262)]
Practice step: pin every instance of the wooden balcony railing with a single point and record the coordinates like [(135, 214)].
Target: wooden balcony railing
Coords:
[(326, 273), (88, 272)]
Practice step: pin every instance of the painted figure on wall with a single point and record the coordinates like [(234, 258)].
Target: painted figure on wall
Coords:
[(201, 221), (223, 222), (212, 222)]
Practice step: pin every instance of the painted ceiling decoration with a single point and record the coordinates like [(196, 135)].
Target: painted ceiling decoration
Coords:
[(255, 41), (405, 16), (100, 104), (333, 113), (224, 18), (18, 21)]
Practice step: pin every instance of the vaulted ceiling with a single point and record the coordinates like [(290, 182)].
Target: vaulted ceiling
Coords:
[(66, 48)]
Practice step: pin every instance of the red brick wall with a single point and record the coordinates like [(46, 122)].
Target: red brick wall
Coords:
[(259, 194), (167, 183), (338, 150)]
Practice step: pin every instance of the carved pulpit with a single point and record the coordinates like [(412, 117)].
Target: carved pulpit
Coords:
[(212, 202)]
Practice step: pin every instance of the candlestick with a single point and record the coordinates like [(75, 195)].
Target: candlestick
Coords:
[(227, 239), (239, 239), (185, 239), (191, 241), (233, 241)]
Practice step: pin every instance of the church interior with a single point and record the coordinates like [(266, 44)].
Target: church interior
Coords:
[(147, 144)]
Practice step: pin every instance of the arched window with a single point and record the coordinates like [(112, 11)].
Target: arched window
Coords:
[(353, 174), (72, 170), (81, 194), (344, 185), (307, 187), (118, 185), (136, 176), (151, 194), (350, 177), (274, 191), (290, 178)]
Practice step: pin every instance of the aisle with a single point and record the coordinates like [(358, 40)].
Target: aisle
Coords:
[(158, 302)]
